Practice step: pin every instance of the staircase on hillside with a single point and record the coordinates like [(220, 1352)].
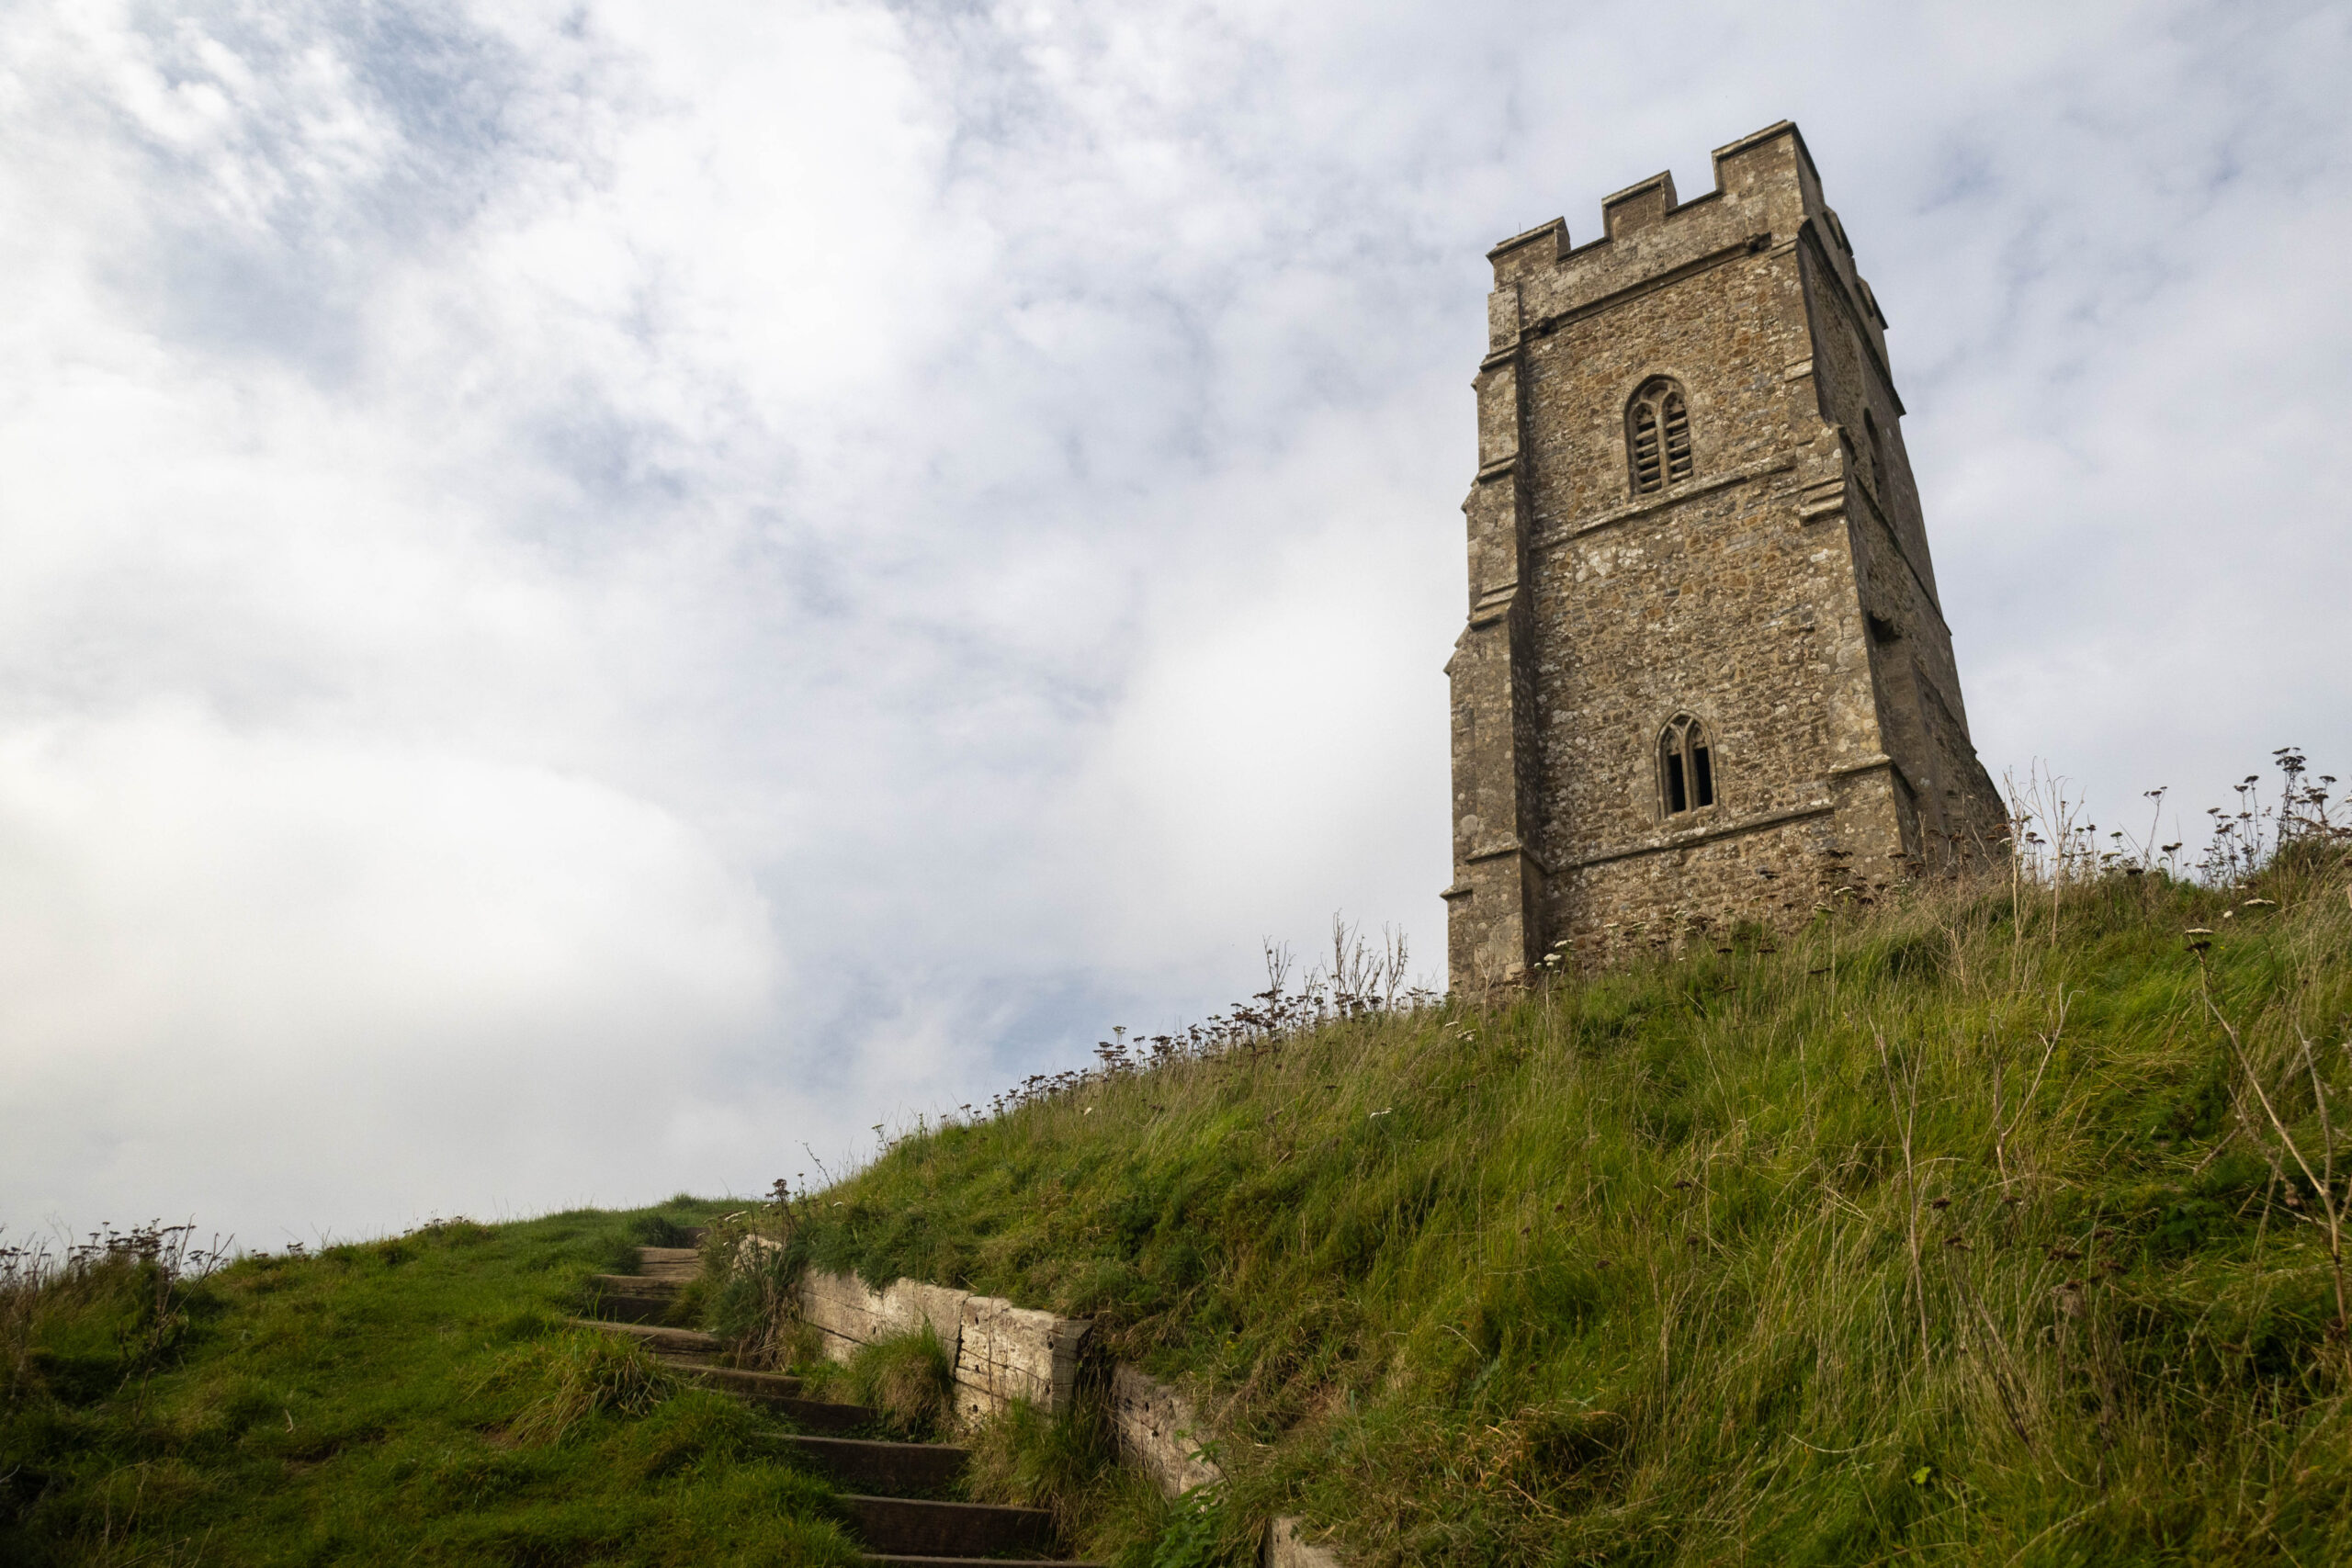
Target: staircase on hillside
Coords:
[(890, 1490)]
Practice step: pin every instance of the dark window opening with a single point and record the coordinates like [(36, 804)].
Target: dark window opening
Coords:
[(1678, 439), (1658, 437), (1645, 455), (1686, 767)]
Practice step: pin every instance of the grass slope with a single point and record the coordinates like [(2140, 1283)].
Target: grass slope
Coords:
[(1930, 1235), (412, 1401)]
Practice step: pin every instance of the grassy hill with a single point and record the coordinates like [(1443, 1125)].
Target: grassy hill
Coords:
[(1993, 1228), (1997, 1227), (412, 1401)]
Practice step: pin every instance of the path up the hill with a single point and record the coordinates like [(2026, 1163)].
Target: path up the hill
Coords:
[(896, 1495)]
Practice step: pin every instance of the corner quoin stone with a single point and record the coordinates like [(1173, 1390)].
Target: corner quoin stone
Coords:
[(1005, 1353), (1747, 565)]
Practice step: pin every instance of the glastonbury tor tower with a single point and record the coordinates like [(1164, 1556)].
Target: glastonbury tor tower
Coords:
[(1706, 680)]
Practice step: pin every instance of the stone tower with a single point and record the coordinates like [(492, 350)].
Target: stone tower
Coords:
[(1706, 678)]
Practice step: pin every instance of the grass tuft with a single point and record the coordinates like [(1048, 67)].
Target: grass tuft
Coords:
[(911, 1379), (576, 1375)]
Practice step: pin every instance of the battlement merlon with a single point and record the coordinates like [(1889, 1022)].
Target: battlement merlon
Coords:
[(1767, 194)]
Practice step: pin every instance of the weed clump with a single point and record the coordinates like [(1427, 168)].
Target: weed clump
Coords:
[(911, 1379), (107, 1311), (574, 1376)]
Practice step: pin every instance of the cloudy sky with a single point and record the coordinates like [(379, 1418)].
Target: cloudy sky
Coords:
[(590, 592)]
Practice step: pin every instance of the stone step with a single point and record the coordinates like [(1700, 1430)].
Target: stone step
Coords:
[(647, 1311), (913, 1525), (670, 1341), (633, 1305), (906, 1531), (679, 1346), (911, 1532), (820, 1414), (735, 1380), (881, 1466), (636, 1285), (669, 1263)]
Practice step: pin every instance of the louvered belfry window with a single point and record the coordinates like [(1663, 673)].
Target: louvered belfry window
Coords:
[(1686, 767), (1657, 435)]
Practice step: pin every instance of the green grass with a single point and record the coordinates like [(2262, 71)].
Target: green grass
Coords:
[(909, 1379), (1924, 1235), (410, 1401)]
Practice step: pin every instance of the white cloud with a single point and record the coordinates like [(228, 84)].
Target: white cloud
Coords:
[(251, 962), (588, 593)]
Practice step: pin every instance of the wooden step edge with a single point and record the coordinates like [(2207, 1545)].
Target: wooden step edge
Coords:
[(1002, 1512), (942, 1452), (635, 1284), (744, 1377), (647, 1312), (653, 1333), (915, 1472)]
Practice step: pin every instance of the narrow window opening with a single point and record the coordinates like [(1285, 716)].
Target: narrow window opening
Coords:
[(1686, 767), (1646, 456), (1658, 437), (1678, 439)]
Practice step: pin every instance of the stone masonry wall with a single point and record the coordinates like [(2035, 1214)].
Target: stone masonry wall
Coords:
[(1001, 1352)]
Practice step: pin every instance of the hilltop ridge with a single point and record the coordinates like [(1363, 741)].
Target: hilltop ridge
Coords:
[(1973, 1228)]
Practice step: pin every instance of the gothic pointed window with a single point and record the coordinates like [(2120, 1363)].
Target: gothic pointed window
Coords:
[(1686, 767), (1657, 436)]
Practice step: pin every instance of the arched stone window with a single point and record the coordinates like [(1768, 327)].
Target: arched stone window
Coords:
[(1657, 436), (1878, 450), (1686, 767)]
